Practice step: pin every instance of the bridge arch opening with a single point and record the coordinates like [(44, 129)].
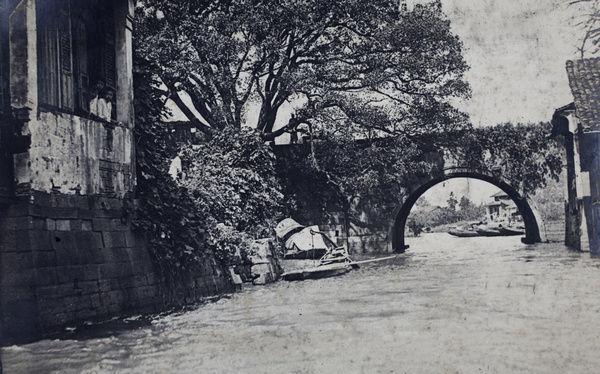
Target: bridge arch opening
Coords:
[(402, 212)]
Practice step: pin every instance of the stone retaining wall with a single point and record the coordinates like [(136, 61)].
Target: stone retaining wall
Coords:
[(66, 259), (555, 231)]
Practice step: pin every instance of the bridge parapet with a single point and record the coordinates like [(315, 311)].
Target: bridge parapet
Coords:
[(466, 169)]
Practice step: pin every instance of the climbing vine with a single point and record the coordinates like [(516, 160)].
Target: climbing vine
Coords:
[(524, 155), (165, 212)]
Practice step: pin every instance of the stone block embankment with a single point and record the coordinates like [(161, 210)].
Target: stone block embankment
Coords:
[(67, 259)]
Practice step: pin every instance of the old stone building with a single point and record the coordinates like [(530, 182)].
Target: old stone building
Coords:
[(67, 171), (579, 125)]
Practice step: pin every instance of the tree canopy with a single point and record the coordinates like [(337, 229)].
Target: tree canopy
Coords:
[(348, 65), (523, 155)]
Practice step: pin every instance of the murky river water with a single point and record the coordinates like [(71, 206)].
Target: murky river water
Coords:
[(448, 305)]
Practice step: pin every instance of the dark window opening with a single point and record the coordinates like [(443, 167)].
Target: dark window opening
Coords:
[(108, 170), (77, 60), (108, 139)]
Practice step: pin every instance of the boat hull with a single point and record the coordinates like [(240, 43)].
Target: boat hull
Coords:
[(506, 231), (318, 272), (463, 233), (305, 255), (489, 232)]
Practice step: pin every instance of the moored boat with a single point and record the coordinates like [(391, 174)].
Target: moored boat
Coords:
[(334, 262), (500, 230), (489, 231), (299, 242), (317, 272), (461, 233), (511, 231), (466, 231)]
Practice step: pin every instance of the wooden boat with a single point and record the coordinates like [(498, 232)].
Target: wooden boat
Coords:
[(317, 272), (500, 230), (300, 242), (511, 231), (333, 263), (489, 231), (467, 231), (461, 233)]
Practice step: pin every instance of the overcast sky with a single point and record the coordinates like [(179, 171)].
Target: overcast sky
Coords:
[(517, 51)]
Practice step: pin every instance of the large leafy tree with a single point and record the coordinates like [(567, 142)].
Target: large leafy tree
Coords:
[(350, 66)]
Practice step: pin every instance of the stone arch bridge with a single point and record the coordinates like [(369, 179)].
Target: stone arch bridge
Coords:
[(531, 218)]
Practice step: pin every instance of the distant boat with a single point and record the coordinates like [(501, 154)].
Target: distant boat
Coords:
[(478, 229), (462, 233), (500, 230), (510, 231), (467, 231), (489, 231)]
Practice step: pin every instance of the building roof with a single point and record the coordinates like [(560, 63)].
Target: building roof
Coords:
[(584, 79)]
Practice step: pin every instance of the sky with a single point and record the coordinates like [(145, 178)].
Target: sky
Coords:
[(517, 50)]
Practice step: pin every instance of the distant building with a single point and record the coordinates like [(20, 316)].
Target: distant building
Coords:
[(502, 208), (578, 124)]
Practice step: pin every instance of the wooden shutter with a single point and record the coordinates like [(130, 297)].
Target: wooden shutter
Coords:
[(67, 99), (48, 62), (2, 97), (110, 64), (111, 71), (55, 64), (83, 78)]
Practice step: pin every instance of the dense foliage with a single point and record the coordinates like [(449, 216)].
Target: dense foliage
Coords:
[(346, 65), (425, 215), (231, 180), (371, 176), (524, 156), (230, 188), (165, 212)]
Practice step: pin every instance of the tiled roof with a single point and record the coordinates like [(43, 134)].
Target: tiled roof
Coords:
[(584, 79)]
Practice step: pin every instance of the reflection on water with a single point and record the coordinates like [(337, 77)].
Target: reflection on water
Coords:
[(449, 304)]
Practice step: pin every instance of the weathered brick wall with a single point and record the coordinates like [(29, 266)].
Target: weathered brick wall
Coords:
[(66, 259)]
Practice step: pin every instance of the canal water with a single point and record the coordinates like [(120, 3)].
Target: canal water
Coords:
[(448, 305)]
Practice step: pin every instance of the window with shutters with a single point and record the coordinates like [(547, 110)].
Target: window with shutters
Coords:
[(108, 171), (76, 50)]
